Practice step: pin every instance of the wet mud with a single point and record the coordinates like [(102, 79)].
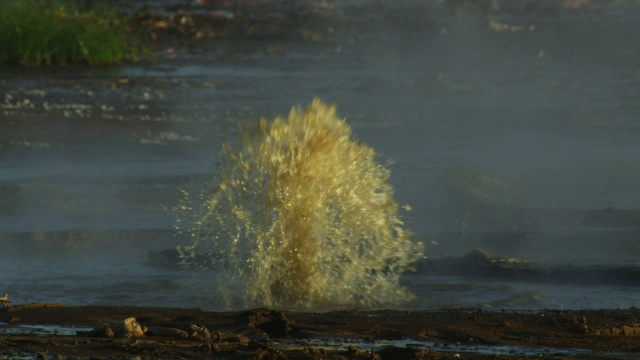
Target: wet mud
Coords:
[(352, 334)]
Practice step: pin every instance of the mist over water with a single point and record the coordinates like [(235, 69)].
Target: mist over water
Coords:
[(300, 215)]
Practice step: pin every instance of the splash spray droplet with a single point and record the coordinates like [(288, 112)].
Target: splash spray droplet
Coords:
[(300, 215)]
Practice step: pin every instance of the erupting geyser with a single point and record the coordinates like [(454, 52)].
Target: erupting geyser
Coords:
[(300, 215)]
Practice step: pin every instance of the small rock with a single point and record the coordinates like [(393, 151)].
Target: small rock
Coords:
[(198, 332), (272, 322), (129, 329), (356, 353)]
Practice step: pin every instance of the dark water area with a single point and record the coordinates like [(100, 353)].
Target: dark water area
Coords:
[(512, 129)]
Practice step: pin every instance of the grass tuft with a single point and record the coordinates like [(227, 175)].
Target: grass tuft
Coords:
[(37, 32)]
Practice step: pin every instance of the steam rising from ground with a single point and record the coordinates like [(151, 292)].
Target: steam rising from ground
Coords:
[(300, 215)]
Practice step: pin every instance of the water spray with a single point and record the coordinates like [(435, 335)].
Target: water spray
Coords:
[(300, 215)]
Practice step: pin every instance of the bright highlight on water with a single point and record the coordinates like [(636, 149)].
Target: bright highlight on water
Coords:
[(300, 215)]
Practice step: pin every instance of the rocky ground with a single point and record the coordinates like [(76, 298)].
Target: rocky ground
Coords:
[(271, 334)]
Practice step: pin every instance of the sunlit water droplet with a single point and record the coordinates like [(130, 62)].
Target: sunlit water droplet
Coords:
[(300, 215)]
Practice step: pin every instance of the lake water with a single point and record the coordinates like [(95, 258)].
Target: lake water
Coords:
[(516, 131)]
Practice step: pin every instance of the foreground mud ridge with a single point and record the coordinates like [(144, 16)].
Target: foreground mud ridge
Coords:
[(93, 155), (103, 332)]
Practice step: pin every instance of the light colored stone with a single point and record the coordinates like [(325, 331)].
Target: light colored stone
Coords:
[(5, 300), (129, 328)]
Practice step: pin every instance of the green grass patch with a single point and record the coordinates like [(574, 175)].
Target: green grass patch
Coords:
[(47, 32)]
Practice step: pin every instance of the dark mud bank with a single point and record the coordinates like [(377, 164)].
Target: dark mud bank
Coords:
[(350, 334)]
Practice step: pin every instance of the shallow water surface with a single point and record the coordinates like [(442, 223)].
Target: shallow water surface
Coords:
[(42, 330)]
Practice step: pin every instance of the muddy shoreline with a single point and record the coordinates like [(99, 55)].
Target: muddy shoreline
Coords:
[(351, 334)]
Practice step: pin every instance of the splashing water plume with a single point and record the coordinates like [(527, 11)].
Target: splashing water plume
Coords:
[(300, 215)]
